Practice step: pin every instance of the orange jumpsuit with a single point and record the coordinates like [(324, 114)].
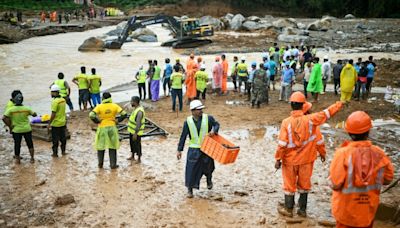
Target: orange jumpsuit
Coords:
[(43, 17), (297, 147), (357, 173), (224, 76), (191, 68)]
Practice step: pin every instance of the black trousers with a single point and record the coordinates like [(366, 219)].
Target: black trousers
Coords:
[(142, 90), (58, 134), (234, 81), (136, 145), (305, 84), (203, 94), (336, 82), (149, 89), (368, 85), (18, 139)]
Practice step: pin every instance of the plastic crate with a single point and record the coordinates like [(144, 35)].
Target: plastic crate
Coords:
[(220, 149)]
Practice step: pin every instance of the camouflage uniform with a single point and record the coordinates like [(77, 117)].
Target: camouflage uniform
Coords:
[(259, 91)]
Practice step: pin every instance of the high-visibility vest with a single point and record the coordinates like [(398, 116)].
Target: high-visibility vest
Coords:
[(157, 73), (142, 76), (94, 83), (242, 70), (61, 83), (196, 139), (132, 121), (176, 80), (201, 80)]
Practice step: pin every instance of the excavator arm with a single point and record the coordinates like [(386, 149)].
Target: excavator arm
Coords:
[(133, 24)]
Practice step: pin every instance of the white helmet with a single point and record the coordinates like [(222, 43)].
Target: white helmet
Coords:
[(326, 57), (243, 58), (203, 66), (55, 88), (196, 104)]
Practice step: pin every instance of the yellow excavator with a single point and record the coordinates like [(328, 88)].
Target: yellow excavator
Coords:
[(187, 33)]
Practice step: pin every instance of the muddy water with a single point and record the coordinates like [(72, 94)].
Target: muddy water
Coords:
[(32, 65), (152, 194)]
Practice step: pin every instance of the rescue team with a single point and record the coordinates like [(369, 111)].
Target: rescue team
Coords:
[(358, 169)]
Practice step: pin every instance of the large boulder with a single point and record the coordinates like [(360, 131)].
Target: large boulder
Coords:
[(349, 16), (253, 18), (292, 38), (286, 22), (250, 25), (142, 31), (209, 20), (92, 44), (147, 38), (229, 16), (320, 25), (237, 21)]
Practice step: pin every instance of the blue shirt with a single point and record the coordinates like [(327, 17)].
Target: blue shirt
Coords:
[(251, 75), (288, 75), (357, 67), (272, 66), (168, 70), (371, 70)]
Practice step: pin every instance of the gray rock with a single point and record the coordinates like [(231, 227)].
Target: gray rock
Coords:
[(292, 38), (289, 31), (209, 20), (122, 25), (301, 25), (64, 200), (320, 25), (281, 23), (147, 38), (329, 17), (229, 16), (250, 25), (253, 18), (313, 27), (268, 17), (92, 44), (349, 16), (114, 32), (360, 26), (142, 31), (237, 21)]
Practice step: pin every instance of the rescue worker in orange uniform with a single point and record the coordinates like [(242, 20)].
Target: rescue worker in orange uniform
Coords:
[(357, 173), (296, 151), (191, 67), (320, 145), (225, 67)]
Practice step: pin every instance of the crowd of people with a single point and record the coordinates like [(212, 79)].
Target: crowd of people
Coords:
[(358, 167)]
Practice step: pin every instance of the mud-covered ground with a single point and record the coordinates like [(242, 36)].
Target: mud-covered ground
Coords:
[(152, 194)]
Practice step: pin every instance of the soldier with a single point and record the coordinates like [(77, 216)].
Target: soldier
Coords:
[(259, 85)]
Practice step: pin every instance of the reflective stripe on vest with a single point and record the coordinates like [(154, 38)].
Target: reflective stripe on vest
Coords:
[(304, 143), (351, 189), (142, 76), (195, 139), (61, 83), (132, 121)]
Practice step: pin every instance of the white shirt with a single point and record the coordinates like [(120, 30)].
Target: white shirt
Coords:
[(326, 70)]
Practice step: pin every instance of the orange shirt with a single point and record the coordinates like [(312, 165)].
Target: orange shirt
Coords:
[(357, 172), (225, 68), (297, 137)]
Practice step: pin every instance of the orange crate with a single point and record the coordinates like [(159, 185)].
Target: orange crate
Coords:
[(220, 149)]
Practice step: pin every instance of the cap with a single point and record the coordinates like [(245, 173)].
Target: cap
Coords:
[(298, 97), (196, 104), (306, 107), (326, 57), (55, 88), (358, 122)]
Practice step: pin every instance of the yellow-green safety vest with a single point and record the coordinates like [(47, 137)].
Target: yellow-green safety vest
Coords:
[(142, 76), (201, 80), (195, 139), (242, 70), (61, 83), (176, 80), (94, 83), (157, 73), (132, 121)]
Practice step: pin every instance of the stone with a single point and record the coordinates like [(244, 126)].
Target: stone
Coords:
[(229, 16), (281, 23), (64, 200), (360, 26), (250, 25), (142, 31), (268, 17), (292, 38), (253, 18), (209, 20), (92, 44), (320, 25), (237, 21), (349, 16), (328, 17), (122, 25), (147, 38), (301, 25)]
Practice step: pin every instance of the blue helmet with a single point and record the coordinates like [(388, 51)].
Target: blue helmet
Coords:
[(266, 65)]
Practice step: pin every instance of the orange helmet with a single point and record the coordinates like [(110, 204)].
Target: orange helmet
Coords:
[(358, 122), (199, 59), (298, 97), (306, 106)]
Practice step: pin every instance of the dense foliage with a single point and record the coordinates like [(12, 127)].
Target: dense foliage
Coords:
[(339, 8)]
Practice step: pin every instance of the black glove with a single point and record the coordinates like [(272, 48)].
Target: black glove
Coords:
[(96, 120), (121, 118)]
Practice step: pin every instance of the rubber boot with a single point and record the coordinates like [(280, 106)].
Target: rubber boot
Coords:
[(189, 193), (32, 153), (209, 182), (258, 104), (63, 148), (287, 210), (55, 152), (113, 158), (302, 205), (252, 104), (100, 156)]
